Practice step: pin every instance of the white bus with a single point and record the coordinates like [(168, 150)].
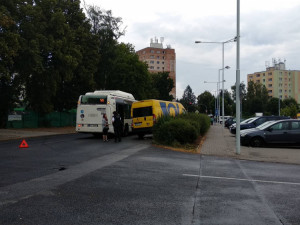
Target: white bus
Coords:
[(92, 105)]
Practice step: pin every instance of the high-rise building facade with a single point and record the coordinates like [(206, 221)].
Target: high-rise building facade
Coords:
[(280, 83), (160, 59)]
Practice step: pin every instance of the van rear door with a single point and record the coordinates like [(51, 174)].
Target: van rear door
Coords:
[(142, 117)]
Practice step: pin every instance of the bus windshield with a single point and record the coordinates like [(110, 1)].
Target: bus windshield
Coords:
[(93, 100)]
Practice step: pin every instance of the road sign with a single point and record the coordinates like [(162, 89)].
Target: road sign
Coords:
[(23, 144)]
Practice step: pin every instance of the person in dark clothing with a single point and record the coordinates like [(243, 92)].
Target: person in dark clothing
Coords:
[(118, 125)]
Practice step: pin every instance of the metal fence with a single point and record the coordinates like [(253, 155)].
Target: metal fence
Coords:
[(28, 119)]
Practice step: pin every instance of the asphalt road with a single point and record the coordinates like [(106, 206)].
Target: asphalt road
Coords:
[(77, 179)]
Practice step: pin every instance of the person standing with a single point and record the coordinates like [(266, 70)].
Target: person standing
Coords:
[(117, 124), (105, 127)]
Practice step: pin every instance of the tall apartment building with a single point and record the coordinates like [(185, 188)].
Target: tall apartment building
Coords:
[(280, 83), (160, 59)]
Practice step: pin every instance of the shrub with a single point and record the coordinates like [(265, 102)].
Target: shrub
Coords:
[(182, 129), (176, 130)]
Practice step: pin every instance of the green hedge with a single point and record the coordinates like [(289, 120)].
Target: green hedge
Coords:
[(182, 129)]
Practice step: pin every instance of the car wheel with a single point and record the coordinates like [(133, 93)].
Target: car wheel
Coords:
[(257, 142)]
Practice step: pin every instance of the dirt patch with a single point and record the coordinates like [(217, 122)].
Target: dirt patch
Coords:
[(194, 148)]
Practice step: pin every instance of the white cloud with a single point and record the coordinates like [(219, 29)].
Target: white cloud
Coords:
[(269, 29)]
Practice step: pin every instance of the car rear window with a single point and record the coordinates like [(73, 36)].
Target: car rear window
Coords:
[(142, 112)]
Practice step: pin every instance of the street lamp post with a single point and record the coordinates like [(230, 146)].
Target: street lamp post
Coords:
[(237, 83), (223, 105), (218, 95), (223, 43)]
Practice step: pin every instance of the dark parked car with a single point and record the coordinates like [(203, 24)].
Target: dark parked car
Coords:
[(256, 121), (229, 122), (273, 132)]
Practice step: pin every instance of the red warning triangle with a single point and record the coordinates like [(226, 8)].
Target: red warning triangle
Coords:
[(23, 144)]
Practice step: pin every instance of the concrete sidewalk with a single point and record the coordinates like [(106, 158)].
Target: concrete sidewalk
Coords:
[(220, 142), (11, 134)]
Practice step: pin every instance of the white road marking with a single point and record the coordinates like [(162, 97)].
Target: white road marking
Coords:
[(241, 179)]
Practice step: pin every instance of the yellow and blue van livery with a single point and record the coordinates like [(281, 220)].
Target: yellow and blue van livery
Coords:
[(145, 113)]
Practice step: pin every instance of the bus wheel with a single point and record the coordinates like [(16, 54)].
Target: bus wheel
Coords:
[(141, 136)]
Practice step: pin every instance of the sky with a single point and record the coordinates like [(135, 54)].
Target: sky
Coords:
[(269, 29)]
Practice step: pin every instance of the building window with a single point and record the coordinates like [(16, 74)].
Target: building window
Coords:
[(264, 80), (158, 67), (163, 57), (270, 85), (158, 52), (157, 62), (151, 62), (270, 91), (270, 79), (264, 74), (163, 62), (152, 51), (144, 52), (157, 57), (163, 52), (151, 67), (151, 56), (280, 91), (257, 75), (250, 77), (258, 81), (280, 79)]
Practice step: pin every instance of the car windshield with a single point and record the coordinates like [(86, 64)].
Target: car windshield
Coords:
[(265, 125), (249, 120)]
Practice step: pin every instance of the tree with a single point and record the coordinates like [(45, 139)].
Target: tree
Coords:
[(107, 29), (57, 53), (228, 103), (256, 98), (289, 102), (272, 106), (206, 102), (129, 74), (290, 111), (188, 99), (9, 45), (162, 85)]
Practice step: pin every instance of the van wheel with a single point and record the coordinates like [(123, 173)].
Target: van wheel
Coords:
[(257, 142)]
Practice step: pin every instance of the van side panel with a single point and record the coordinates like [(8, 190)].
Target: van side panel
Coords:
[(144, 123)]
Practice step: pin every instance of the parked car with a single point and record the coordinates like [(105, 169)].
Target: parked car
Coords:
[(233, 126), (221, 118), (256, 121), (231, 121), (273, 132)]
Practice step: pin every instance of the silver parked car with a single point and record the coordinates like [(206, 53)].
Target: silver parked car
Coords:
[(273, 132)]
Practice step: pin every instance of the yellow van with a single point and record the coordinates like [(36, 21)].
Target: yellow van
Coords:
[(145, 113)]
